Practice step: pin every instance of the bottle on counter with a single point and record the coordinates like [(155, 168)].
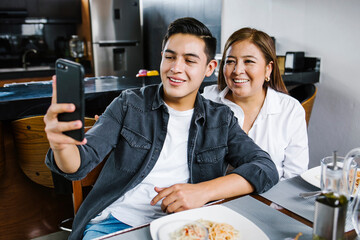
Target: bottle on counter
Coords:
[(331, 205), (77, 47)]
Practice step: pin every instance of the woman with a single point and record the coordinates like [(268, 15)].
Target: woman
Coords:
[(250, 84)]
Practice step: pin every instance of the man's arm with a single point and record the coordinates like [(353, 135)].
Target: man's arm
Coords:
[(180, 197), (66, 154)]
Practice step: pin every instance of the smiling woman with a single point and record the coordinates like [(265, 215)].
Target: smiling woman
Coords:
[(250, 83)]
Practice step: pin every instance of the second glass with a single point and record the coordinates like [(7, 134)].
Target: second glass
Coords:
[(331, 175)]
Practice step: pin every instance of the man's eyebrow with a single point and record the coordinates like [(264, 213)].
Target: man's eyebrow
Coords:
[(170, 51), (192, 55), (186, 54)]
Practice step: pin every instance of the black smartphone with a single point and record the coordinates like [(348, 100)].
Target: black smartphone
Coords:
[(70, 89)]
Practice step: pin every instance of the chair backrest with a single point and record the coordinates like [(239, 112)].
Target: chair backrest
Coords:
[(2, 152), (305, 94), (79, 185), (88, 181), (32, 145)]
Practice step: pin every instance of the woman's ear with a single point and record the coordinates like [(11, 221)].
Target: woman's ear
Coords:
[(211, 66), (269, 69)]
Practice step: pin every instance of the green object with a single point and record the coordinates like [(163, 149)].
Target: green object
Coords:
[(332, 200)]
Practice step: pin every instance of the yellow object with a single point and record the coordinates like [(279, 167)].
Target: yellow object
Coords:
[(152, 73)]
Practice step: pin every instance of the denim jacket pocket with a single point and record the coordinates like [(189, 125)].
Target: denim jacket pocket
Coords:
[(131, 151), (212, 155)]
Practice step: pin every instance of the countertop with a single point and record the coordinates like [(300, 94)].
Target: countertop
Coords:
[(33, 98), (35, 71), (24, 99)]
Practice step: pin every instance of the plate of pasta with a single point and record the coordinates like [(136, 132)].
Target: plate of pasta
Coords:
[(211, 222)]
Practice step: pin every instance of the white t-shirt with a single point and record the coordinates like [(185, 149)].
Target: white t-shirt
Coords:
[(279, 129), (134, 208)]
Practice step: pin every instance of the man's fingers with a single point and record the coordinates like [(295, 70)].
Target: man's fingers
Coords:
[(158, 189), (59, 127), (68, 126), (162, 192), (61, 139), (54, 94), (57, 108), (174, 207)]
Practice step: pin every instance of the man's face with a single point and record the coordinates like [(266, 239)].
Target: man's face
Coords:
[(182, 69)]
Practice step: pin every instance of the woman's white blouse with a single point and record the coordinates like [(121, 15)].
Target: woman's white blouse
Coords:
[(280, 129)]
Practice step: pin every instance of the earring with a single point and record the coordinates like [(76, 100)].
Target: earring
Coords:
[(267, 79)]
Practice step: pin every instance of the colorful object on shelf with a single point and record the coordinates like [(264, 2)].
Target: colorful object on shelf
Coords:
[(146, 73)]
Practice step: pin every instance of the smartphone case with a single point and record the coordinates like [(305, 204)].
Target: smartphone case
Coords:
[(70, 89)]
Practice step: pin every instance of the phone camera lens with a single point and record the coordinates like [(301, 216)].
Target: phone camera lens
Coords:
[(60, 66)]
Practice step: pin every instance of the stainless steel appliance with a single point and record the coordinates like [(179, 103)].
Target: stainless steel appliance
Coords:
[(116, 27)]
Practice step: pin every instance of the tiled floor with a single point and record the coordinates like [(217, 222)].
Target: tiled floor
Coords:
[(61, 235)]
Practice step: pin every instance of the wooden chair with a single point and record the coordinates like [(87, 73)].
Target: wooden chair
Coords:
[(2, 152), (88, 181), (32, 145), (305, 94), (79, 193)]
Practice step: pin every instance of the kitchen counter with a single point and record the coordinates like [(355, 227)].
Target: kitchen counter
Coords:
[(24, 99), (30, 72), (33, 98), (36, 71)]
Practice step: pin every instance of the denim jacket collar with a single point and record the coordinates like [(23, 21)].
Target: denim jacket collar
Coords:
[(199, 111)]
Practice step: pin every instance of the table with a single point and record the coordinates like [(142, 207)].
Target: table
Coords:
[(272, 222), (285, 222)]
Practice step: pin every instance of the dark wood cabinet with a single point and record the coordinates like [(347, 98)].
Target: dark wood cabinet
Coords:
[(53, 10), (13, 5)]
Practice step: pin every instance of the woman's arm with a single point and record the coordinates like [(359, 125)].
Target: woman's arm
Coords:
[(296, 156)]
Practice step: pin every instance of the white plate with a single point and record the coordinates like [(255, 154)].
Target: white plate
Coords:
[(216, 213), (312, 176)]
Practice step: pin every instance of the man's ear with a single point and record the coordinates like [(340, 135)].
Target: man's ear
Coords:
[(210, 68)]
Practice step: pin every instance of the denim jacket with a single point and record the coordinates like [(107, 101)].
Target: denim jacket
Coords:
[(133, 129)]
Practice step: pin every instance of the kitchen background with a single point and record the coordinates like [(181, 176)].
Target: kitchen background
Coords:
[(47, 27), (43, 25), (328, 29)]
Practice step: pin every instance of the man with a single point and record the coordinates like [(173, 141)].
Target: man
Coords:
[(169, 146)]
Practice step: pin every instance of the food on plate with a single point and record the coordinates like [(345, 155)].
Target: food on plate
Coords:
[(215, 231), (357, 180)]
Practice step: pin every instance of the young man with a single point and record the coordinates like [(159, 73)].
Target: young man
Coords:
[(169, 146)]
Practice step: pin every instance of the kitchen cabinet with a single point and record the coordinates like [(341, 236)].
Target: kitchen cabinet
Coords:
[(55, 11)]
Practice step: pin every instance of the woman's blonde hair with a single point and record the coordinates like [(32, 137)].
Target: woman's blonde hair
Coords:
[(266, 45)]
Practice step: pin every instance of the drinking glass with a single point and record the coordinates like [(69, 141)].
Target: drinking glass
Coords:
[(331, 176), (354, 155)]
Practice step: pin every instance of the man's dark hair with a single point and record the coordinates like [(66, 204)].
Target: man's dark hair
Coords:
[(192, 26)]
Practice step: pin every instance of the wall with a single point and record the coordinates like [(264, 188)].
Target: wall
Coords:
[(158, 14), (328, 29)]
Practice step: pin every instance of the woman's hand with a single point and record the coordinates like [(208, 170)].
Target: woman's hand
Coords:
[(180, 197)]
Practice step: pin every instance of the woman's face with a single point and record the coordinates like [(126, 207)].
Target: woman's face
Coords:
[(245, 70)]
